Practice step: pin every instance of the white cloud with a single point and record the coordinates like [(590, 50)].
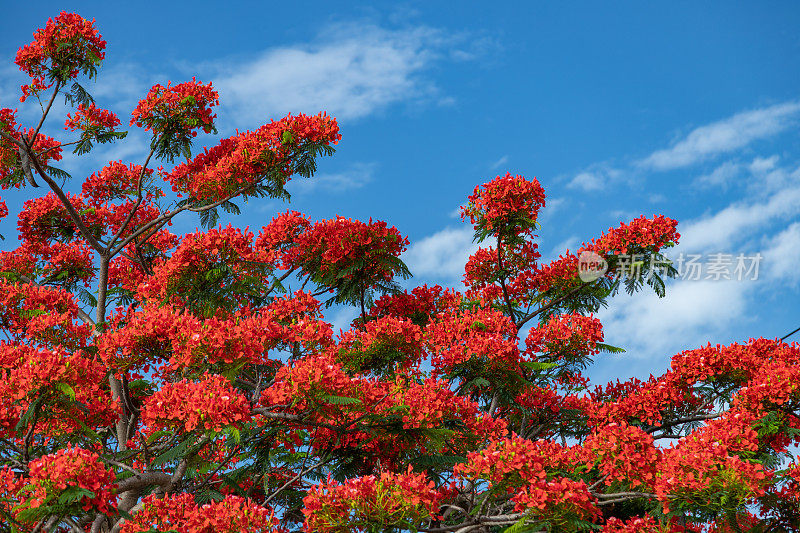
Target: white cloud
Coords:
[(782, 257), (691, 314), (571, 243), (456, 213), (767, 177), (341, 317), (761, 165), (10, 80), (551, 208), (350, 71), (354, 177), (587, 181), (441, 255), (720, 176), (724, 136), (500, 162), (719, 231)]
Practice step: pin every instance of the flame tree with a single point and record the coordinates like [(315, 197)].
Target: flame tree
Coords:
[(159, 382)]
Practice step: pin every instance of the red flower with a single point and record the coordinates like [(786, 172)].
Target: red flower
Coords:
[(67, 45)]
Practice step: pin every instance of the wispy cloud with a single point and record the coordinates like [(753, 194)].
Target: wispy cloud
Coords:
[(350, 71), (720, 176), (595, 178), (692, 313), (441, 256), (355, 177), (723, 136), (741, 219), (782, 256), (587, 181), (571, 243), (500, 162)]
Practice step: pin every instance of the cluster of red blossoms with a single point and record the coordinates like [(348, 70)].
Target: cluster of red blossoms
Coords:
[(64, 47), (393, 500), (68, 469), (177, 110), (179, 512), (640, 235), (11, 165), (210, 403), (151, 382), (507, 201), (237, 162), (338, 244), (565, 335), (91, 121)]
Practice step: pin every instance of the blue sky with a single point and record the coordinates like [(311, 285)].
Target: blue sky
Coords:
[(620, 109)]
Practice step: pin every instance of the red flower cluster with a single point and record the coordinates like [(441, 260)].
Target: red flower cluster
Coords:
[(71, 467), (505, 204), (91, 121), (179, 512), (566, 336), (240, 161), (516, 462), (183, 274), (561, 273), (46, 149), (383, 343), (370, 503), (178, 110), (45, 219), (420, 305), (308, 382), (67, 45), (623, 453), (210, 404), (640, 235), (431, 404), (158, 335), (485, 334), (559, 501), (21, 309), (696, 473), (277, 239), (28, 373), (361, 249), (114, 181), (641, 524)]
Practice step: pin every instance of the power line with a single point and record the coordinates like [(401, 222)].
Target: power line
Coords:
[(790, 334)]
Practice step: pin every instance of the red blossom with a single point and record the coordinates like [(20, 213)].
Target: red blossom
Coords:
[(238, 162), (209, 403), (366, 503), (179, 512), (508, 203), (177, 110), (566, 336), (67, 45), (71, 467), (91, 120)]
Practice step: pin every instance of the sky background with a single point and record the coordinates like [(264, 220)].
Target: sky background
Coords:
[(686, 109)]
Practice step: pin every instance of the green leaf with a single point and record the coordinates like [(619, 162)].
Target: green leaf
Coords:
[(523, 526), (341, 400), (173, 453), (66, 389), (74, 494), (609, 348), (442, 461), (535, 365)]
